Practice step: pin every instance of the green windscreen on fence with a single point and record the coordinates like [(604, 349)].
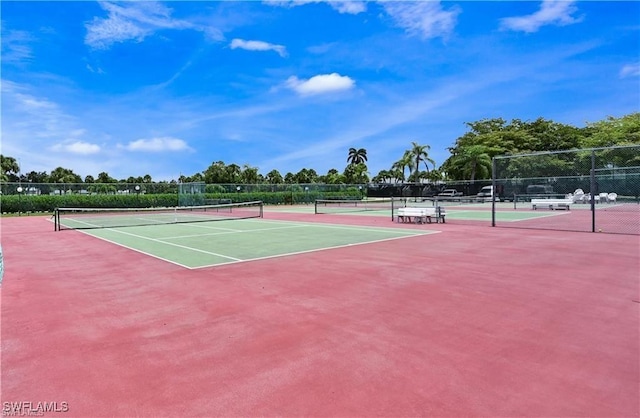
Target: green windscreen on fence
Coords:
[(191, 194)]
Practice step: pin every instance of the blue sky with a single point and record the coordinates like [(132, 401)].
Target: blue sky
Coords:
[(164, 89)]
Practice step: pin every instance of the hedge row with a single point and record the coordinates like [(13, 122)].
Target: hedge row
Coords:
[(48, 203)]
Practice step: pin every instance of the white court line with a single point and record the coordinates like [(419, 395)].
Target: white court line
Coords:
[(529, 212), (176, 245), (234, 232), (337, 226), (405, 234), (314, 250), (302, 225), (566, 212), (200, 225), (319, 225), (132, 249)]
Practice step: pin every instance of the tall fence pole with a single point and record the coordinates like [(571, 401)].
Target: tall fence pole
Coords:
[(493, 192), (593, 191)]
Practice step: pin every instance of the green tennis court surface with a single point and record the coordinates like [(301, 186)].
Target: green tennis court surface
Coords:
[(204, 244)]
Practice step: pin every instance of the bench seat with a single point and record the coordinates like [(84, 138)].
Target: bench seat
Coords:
[(551, 203), (420, 215)]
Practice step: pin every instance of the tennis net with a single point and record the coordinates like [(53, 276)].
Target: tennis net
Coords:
[(327, 206), (91, 218)]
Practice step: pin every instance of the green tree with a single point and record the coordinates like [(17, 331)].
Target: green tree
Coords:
[(10, 168), (104, 177), (37, 177), (382, 176), (399, 166), (306, 175), (274, 177), (249, 175), (356, 174), (357, 156), (474, 162), (64, 175), (289, 178), (613, 131), (216, 173), (233, 172), (333, 176), (420, 153)]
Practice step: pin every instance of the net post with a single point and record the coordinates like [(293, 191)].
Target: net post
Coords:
[(56, 219)]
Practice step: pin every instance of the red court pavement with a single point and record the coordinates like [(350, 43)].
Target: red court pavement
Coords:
[(473, 321)]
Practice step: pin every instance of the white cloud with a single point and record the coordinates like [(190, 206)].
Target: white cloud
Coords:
[(630, 70), (342, 6), (97, 70), (16, 46), (258, 46), (39, 116), (158, 145), (319, 84), (77, 147), (135, 21), (551, 12), (426, 19), (423, 18), (349, 6)]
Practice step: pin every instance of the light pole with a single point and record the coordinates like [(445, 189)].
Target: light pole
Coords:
[(19, 190), (137, 189)]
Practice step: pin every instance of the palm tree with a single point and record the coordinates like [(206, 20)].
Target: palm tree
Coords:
[(9, 168), (249, 174), (233, 172), (405, 162), (475, 161), (356, 174), (382, 176), (357, 156), (396, 175), (274, 177), (64, 175), (419, 153)]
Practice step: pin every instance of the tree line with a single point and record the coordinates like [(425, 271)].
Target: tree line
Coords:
[(470, 156)]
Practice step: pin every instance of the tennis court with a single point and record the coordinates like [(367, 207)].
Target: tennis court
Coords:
[(205, 244), (334, 316)]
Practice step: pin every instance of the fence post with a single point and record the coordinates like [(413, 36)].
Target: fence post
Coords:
[(493, 192), (592, 191)]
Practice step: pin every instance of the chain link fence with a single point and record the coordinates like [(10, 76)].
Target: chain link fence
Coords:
[(29, 197), (592, 190)]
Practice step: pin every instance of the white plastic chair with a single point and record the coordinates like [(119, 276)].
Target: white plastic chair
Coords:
[(578, 196), (604, 197), (611, 197)]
